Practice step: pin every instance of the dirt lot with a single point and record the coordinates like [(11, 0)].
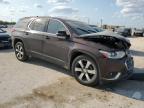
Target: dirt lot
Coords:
[(38, 84)]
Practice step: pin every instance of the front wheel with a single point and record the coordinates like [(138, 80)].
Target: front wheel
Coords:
[(20, 51), (85, 70)]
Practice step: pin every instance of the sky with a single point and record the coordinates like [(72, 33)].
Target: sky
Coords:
[(129, 13)]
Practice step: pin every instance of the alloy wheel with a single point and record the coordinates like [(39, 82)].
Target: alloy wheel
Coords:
[(85, 71), (19, 51)]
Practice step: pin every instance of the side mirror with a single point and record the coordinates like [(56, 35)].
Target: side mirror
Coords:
[(62, 35)]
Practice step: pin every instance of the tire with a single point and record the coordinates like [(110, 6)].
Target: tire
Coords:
[(85, 70), (134, 34), (20, 52)]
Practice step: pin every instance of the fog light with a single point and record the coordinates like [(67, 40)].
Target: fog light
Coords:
[(114, 76)]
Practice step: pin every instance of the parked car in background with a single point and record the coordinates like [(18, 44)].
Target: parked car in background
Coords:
[(5, 39), (137, 32), (93, 57), (126, 32), (3, 26), (143, 32)]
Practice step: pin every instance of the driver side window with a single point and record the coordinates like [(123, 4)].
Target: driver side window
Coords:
[(54, 26)]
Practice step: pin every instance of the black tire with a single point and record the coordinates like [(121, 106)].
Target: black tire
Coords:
[(81, 74), (134, 34), (20, 52)]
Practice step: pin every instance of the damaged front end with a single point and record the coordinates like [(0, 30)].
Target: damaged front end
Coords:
[(110, 42), (117, 55), (109, 39)]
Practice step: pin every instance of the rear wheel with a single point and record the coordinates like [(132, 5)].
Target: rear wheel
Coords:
[(85, 70), (20, 51)]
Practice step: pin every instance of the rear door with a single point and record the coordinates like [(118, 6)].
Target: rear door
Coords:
[(35, 35), (19, 29)]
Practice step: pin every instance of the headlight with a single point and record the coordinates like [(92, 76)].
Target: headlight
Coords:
[(113, 55)]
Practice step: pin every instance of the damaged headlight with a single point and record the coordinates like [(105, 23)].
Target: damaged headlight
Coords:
[(113, 55)]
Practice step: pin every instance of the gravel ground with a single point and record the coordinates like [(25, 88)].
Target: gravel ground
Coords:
[(39, 84)]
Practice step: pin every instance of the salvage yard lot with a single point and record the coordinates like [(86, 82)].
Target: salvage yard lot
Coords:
[(39, 84)]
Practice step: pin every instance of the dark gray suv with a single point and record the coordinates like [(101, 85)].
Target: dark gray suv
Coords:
[(93, 57)]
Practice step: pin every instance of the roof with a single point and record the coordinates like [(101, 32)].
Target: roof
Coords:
[(59, 18)]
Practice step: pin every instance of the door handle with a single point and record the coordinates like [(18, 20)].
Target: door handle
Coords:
[(26, 33), (47, 37)]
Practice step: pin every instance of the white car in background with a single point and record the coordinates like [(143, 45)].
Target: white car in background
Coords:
[(137, 32)]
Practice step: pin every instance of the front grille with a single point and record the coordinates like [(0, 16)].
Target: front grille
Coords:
[(3, 39)]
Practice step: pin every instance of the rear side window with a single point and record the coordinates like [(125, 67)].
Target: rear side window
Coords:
[(54, 26), (39, 25), (23, 23)]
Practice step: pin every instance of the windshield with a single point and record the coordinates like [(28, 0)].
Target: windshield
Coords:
[(81, 28), (2, 31), (97, 28)]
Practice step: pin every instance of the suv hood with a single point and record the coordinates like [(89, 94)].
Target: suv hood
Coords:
[(109, 39)]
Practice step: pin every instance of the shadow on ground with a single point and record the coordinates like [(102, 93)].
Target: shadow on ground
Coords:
[(137, 53), (46, 64), (134, 37), (125, 88), (6, 50), (130, 88), (139, 70)]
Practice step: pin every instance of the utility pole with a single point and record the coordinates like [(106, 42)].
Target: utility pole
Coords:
[(101, 22)]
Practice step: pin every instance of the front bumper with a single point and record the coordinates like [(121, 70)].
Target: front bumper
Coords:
[(4, 44), (115, 70)]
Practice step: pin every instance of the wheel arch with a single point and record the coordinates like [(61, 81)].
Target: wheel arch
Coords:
[(17, 40), (76, 53)]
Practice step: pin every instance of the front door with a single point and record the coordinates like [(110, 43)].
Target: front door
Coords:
[(56, 49)]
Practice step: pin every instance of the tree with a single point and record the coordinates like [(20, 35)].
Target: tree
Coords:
[(7, 23)]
